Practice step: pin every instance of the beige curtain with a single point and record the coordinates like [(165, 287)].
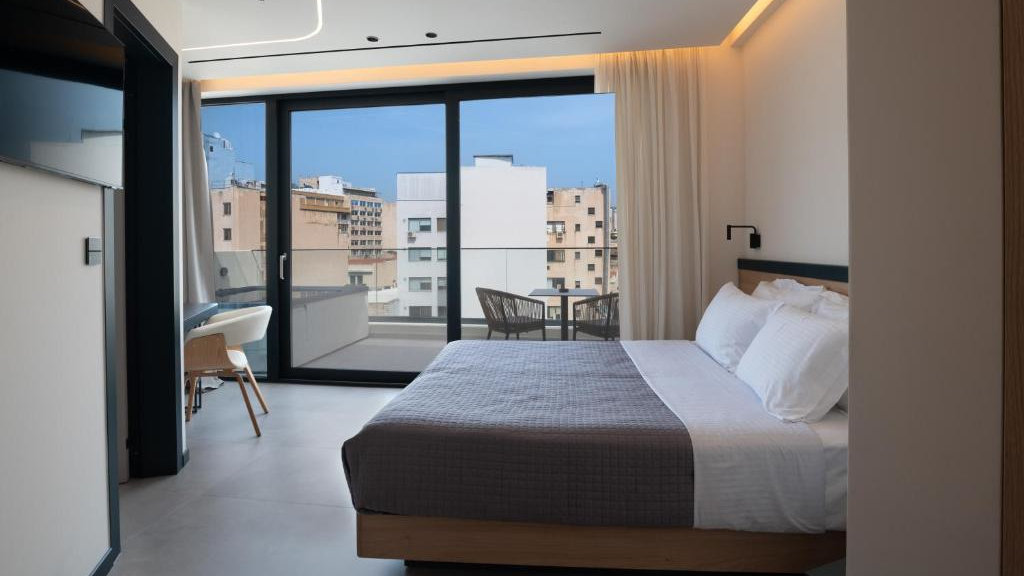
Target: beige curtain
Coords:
[(197, 229), (661, 189)]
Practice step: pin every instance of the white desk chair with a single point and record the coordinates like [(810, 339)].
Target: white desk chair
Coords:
[(215, 349)]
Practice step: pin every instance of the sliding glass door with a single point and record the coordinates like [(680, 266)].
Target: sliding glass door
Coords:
[(369, 219), (366, 248), (537, 203)]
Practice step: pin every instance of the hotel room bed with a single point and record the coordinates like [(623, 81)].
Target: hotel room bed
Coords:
[(595, 433), (596, 454)]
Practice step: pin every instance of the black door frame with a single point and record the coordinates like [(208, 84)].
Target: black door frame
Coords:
[(152, 225), (278, 108)]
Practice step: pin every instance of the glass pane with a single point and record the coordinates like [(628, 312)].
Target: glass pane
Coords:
[(368, 189), (537, 189), (234, 140)]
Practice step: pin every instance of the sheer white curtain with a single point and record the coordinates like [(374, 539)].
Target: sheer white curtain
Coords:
[(661, 189), (199, 261)]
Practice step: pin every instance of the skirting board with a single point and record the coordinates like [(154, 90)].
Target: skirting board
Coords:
[(525, 544)]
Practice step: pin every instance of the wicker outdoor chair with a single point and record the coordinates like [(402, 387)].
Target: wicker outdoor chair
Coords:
[(597, 316), (510, 313)]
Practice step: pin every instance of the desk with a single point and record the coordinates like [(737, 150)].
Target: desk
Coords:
[(570, 293), (192, 315)]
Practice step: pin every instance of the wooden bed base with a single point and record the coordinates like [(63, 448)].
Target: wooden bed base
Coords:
[(523, 544)]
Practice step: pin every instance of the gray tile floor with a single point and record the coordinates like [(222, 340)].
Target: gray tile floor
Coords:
[(276, 505)]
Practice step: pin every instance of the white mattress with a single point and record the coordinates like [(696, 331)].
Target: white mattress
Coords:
[(751, 471)]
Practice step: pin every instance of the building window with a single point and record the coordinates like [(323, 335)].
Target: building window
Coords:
[(591, 240), (227, 208), (420, 284), (356, 278), (227, 234), (419, 254), (590, 211), (442, 311), (598, 281), (554, 312), (551, 196), (556, 227), (577, 198), (577, 283), (442, 224), (577, 226), (442, 282), (556, 255), (577, 254), (442, 254), (419, 311), (599, 224), (590, 268), (598, 253), (614, 255), (556, 283), (419, 224)]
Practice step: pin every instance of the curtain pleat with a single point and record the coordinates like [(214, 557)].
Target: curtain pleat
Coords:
[(197, 215), (659, 156)]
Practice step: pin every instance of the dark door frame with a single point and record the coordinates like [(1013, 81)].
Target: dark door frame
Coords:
[(152, 256), (1013, 288), (278, 157)]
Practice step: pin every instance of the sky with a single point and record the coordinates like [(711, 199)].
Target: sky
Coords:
[(572, 136)]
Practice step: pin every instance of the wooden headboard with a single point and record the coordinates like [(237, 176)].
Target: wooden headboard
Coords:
[(835, 278)]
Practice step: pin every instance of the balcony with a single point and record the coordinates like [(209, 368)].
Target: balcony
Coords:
[(354, 313)]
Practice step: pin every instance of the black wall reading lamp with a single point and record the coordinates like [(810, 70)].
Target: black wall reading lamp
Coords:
[(755, 237)]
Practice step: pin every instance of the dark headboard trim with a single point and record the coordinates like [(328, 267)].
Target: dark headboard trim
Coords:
[(819, 271)]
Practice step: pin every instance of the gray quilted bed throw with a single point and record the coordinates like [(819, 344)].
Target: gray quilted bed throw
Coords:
[(549, 432)]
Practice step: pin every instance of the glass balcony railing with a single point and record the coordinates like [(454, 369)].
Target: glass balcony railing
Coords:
[(373, 308)]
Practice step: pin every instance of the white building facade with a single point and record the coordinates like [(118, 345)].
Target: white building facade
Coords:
[(504, 241)]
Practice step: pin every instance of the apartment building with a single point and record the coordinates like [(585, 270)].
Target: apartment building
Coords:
[(578, 241), (509, 257)]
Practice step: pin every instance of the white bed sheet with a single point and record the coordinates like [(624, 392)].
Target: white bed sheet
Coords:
[(751, 471), (833, 430)]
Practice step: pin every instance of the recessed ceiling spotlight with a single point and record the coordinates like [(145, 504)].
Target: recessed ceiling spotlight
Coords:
[(431, 34), (372, 39)]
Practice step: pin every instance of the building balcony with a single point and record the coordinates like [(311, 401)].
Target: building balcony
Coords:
[(377, 310)]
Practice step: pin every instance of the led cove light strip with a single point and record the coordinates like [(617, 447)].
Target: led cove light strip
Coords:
[(319, 27)]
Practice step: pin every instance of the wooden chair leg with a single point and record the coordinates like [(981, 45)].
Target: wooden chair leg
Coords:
[(256, 389), (248, 405), (190, 389), (489, 333)]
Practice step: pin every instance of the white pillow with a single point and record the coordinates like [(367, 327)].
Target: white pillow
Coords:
[(730, 323), (798, 364), (833, 305), (791, 292)]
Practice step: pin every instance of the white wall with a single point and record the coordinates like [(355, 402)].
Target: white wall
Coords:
[(53, 501), (796, 135), (725, 168), (926, 348)]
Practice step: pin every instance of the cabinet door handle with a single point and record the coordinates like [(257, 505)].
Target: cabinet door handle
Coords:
[(280, 265)]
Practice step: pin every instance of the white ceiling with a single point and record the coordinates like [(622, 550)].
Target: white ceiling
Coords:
[(623, 25)]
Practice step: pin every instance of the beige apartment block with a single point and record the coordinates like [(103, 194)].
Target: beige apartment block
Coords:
[(578, 241), (320, 237)]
